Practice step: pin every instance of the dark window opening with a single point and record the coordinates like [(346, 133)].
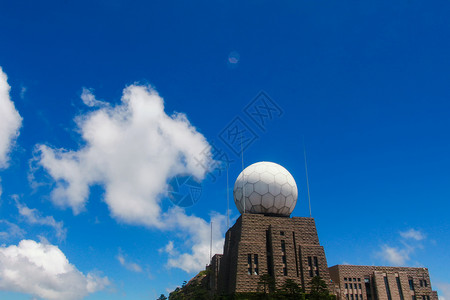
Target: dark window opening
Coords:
[(400, 292), (269, 253), (281, 232), (411, 284), (249, 264), (388, 290), (311, 274), (256, 269), (368, 290), (316, 264)]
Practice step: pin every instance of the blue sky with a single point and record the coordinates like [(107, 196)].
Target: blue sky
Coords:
[(113, 99)]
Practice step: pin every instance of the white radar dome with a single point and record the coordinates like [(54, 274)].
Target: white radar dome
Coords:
[(265, 188)]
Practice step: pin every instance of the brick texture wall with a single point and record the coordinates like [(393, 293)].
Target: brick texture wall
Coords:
[(377, 286), (264, 236)]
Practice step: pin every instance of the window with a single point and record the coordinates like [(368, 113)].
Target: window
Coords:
[(316, 265), (281, 232), (411, 284), (283, 250), (350, 285), (347, 296), (428, 297), (359, 285), (359, 279), (256, 269), (249, 264), (311, 274), (399, 286), (413, 297), (345, 278), (368, 290), (424, 298), (346, 286), (421, 283), (388, 290), (425, 283), (351, 296), (354, 279)]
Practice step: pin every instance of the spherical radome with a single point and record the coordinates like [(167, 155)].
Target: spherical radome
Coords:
[(265, 188)]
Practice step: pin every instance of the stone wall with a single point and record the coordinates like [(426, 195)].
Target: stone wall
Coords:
[(265, 237), (375, 275)]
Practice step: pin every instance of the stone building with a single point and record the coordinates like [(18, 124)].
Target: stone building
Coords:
[(283, 247), (381, 283), (266, 240)]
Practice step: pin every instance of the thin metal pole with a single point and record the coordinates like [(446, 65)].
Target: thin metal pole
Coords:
[(307, 180), (210, 246), (228, 201), (243, 175)]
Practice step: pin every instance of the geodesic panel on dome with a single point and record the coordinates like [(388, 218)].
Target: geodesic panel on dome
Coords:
[(266, 188)]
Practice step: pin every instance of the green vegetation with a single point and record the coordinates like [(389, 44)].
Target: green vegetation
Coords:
[(197, 290)]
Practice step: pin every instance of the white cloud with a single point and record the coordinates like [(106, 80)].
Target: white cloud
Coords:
[(43, 270), (444, 291), (10, 230), (132, 150), (409, 241), (394, 256), (131, 266), (412, 234), (198, 238), (88, 98), (33, 216), (169, 249), (10, 122)]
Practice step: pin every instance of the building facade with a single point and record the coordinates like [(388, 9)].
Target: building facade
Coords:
[(381, 283), (265, 240), (282, 247)]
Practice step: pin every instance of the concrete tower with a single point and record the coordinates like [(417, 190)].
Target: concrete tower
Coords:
[(265, 239)]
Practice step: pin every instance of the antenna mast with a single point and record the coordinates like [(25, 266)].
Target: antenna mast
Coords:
[(228, 201), (307, 181), (243, 175), (210, 246)]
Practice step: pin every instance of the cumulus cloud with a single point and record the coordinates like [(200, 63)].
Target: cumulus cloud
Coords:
[(131, 266), (132, 150), (42, 270), (10, 122), (33, 216)]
